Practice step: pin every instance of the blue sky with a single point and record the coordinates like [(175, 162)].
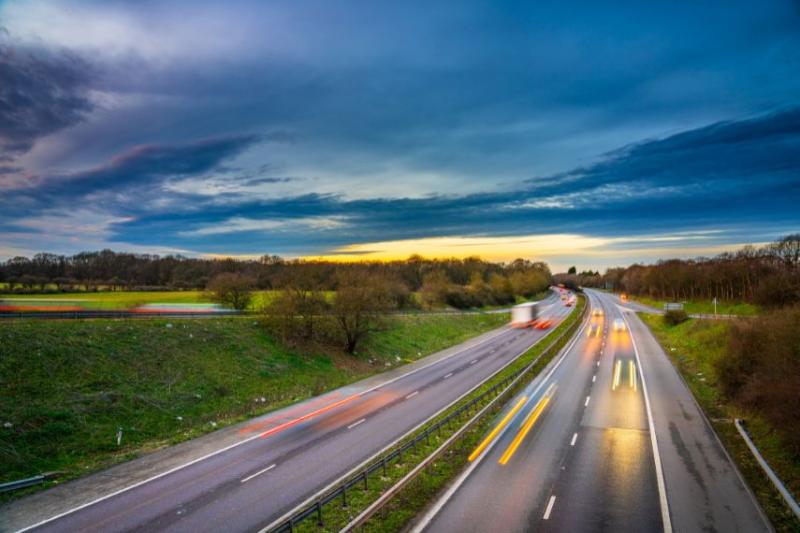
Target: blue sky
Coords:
[(595, 134)]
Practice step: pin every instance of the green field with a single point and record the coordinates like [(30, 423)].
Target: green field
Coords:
[(108, 300), (66, 386), (696, 344), (704, 306)]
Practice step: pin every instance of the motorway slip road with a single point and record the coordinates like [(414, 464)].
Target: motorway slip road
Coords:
[(257, 471), (607, 438)]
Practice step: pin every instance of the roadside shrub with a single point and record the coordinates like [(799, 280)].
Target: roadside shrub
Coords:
[(673, 317), (761, 369)]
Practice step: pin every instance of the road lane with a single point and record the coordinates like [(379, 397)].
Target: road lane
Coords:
[(604, 475), (704, 489), (584, 465), (307, 455)]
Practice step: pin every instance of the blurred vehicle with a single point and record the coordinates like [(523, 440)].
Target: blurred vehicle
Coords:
[(524, 315), (597, 312), (623, 297), (619, 324)]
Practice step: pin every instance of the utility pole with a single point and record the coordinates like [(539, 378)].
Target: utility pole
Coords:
[(715, 307)]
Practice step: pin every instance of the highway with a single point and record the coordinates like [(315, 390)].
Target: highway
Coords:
[(280, 460), (606, 438)]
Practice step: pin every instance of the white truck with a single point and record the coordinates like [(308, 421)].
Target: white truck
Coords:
[(524, 315)]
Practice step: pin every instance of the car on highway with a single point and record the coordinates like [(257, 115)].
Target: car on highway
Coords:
[(619, 324), (597, 312)]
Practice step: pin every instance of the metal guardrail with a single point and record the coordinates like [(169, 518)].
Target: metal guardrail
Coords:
[(22, 483), (370, 511), (785, 494), (362, 478)]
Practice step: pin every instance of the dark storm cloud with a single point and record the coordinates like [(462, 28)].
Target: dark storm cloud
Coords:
[(724, 176), (729, 153), (146, 166), (41, 91)]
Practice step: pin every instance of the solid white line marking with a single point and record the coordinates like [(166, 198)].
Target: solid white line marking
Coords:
[(594, 378), (441, 502), (662, 489), (267, 469), (549, 508), (587, 401), (574, 438), (448, 375), (354, 424), (473, 361), (598, 363), (412, 395)]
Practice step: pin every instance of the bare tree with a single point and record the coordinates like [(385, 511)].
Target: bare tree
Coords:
[(232, 289), (359, 306)]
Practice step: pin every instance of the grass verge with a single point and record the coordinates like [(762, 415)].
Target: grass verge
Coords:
[(692, 347), (705, 306), (67, 386), (418, 493)]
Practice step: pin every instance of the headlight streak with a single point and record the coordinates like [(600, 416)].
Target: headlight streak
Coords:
[(528, 424), (482, 446), (617, 374)]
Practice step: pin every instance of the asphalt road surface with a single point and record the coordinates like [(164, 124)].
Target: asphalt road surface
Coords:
[(246, 487), (591, 446)]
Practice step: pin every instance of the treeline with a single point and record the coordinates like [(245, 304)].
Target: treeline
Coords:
[(462, 283), (767, 275)]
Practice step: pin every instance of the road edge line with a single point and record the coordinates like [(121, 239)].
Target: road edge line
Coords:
[(662, 487)]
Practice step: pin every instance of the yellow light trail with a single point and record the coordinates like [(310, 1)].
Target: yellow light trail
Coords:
[(632, 374), (527, 425), (617, 372), (482, 446), (597, 333)]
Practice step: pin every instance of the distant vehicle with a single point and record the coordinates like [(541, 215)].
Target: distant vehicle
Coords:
[(597, 312), (524, 315), (623, 297), (563, 296), (619, 324)]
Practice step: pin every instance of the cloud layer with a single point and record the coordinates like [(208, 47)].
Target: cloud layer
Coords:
[(271, 128)]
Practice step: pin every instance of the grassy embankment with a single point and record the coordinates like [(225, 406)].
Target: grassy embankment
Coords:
[(693, 346), (704, 306), (66, 386)]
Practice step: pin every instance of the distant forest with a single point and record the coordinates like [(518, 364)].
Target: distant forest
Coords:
[(458, 282), (767, 275)]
